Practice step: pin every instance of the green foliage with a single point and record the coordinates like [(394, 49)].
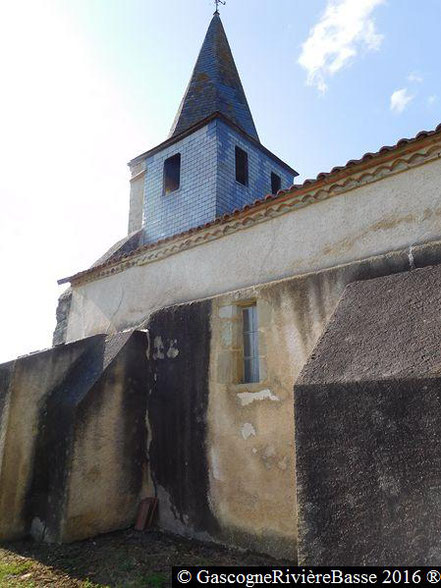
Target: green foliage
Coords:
[(10, 573), (155, 580), (89, 584)]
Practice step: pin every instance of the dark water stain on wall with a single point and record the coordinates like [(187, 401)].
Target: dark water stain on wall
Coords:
[(177, 408), (6, 371), (106, 364), (47, 495)]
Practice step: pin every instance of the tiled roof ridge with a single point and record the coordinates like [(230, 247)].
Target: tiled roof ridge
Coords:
[(369, 155), (321, 179)]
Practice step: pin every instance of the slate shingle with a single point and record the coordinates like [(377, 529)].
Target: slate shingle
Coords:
[(215, 86)]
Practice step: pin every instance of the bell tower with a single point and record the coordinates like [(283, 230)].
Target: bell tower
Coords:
[(212, 162)]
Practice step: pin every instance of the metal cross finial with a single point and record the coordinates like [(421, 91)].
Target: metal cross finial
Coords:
[(217, 2)]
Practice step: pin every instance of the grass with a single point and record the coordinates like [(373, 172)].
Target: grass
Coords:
[(15, 573), (156, 580)]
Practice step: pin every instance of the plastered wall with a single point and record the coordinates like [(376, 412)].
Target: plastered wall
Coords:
[(136, 197), (396, 212), (73, 451), (108, 473), (235, 450), (368, 424), (24, 388), (220, 453), (250, 442)]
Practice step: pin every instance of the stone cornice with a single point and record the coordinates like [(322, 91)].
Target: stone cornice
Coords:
[(392, 161)]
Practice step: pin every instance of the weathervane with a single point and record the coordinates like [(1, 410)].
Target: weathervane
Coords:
[(217, 2)]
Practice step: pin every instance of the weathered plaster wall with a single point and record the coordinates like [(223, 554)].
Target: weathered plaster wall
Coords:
[(250, 433), (109, 472), (222, 453), (214, 481), (137, 182), (399, 211), (6, 371), (254, 494), (73, 439), (24, 385), (177, 417)]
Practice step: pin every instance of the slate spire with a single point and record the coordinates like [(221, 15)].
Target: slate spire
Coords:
[(214, 86)]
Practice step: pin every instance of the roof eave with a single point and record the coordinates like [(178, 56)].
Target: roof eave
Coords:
[(352, 167)]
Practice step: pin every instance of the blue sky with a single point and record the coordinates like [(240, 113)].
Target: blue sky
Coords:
[(89, 84)]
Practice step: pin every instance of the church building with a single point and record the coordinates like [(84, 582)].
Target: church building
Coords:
[(260, 356)]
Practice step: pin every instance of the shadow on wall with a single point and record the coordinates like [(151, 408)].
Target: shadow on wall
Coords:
[(368, 428)]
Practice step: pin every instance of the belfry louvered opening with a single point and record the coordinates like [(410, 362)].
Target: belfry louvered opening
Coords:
[(241, 166), (172, 173)]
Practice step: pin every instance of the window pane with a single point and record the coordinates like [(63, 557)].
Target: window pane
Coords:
[(172, 173), (251, 370), (250, 344), (247, 370), (250, 319), (246, 320), (255, 376), (254, 344), (253, 318), (247, 344)]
